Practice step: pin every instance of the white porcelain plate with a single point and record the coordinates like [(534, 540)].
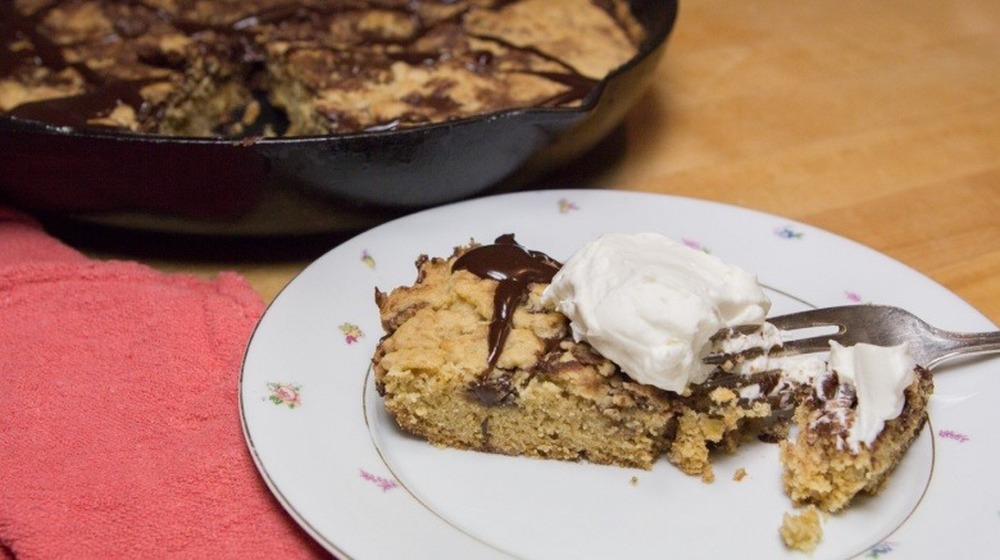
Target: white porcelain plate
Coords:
[(336, 461)]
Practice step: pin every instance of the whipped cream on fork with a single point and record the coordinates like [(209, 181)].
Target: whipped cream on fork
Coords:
[(874, 376)]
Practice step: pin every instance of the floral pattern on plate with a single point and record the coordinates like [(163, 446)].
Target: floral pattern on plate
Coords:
[(953, 436), (788, 232), (881, 549), (566, 206), (368, 259), (352, 333), (285, 394), (382, 482)]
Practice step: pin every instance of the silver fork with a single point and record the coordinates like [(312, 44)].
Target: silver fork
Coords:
[(884, 325)]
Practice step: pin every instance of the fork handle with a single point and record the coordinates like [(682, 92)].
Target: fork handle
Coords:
[(951, 345)]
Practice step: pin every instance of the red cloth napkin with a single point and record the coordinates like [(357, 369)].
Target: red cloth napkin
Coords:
[(119, 427)]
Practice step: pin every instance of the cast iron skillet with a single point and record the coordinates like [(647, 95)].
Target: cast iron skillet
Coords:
[(78, 172)]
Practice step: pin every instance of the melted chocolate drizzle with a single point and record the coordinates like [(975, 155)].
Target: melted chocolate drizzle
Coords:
[(79, 109), (102, 96), (15, 26), (100, 99), (515, 269)]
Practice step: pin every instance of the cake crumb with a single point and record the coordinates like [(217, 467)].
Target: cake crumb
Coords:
[(708, 475), (740, 474), (722, 395), (802, 531), (634, 481)]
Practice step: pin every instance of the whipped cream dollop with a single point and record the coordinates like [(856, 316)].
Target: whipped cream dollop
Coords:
[(880, 375), (651, 304)]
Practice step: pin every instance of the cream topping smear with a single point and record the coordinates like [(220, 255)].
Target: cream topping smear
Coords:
[(651, 304), (879, 375), (801, 369)]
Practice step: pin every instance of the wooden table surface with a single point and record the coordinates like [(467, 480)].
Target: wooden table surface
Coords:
[(878, 121)]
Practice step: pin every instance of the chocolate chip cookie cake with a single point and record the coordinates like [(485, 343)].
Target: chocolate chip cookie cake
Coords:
[(302, 67), (483, 364), (501, 349)]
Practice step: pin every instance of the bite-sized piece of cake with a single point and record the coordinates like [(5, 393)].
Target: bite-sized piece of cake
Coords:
[(476, 363), (848, 441), (802, 531)]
